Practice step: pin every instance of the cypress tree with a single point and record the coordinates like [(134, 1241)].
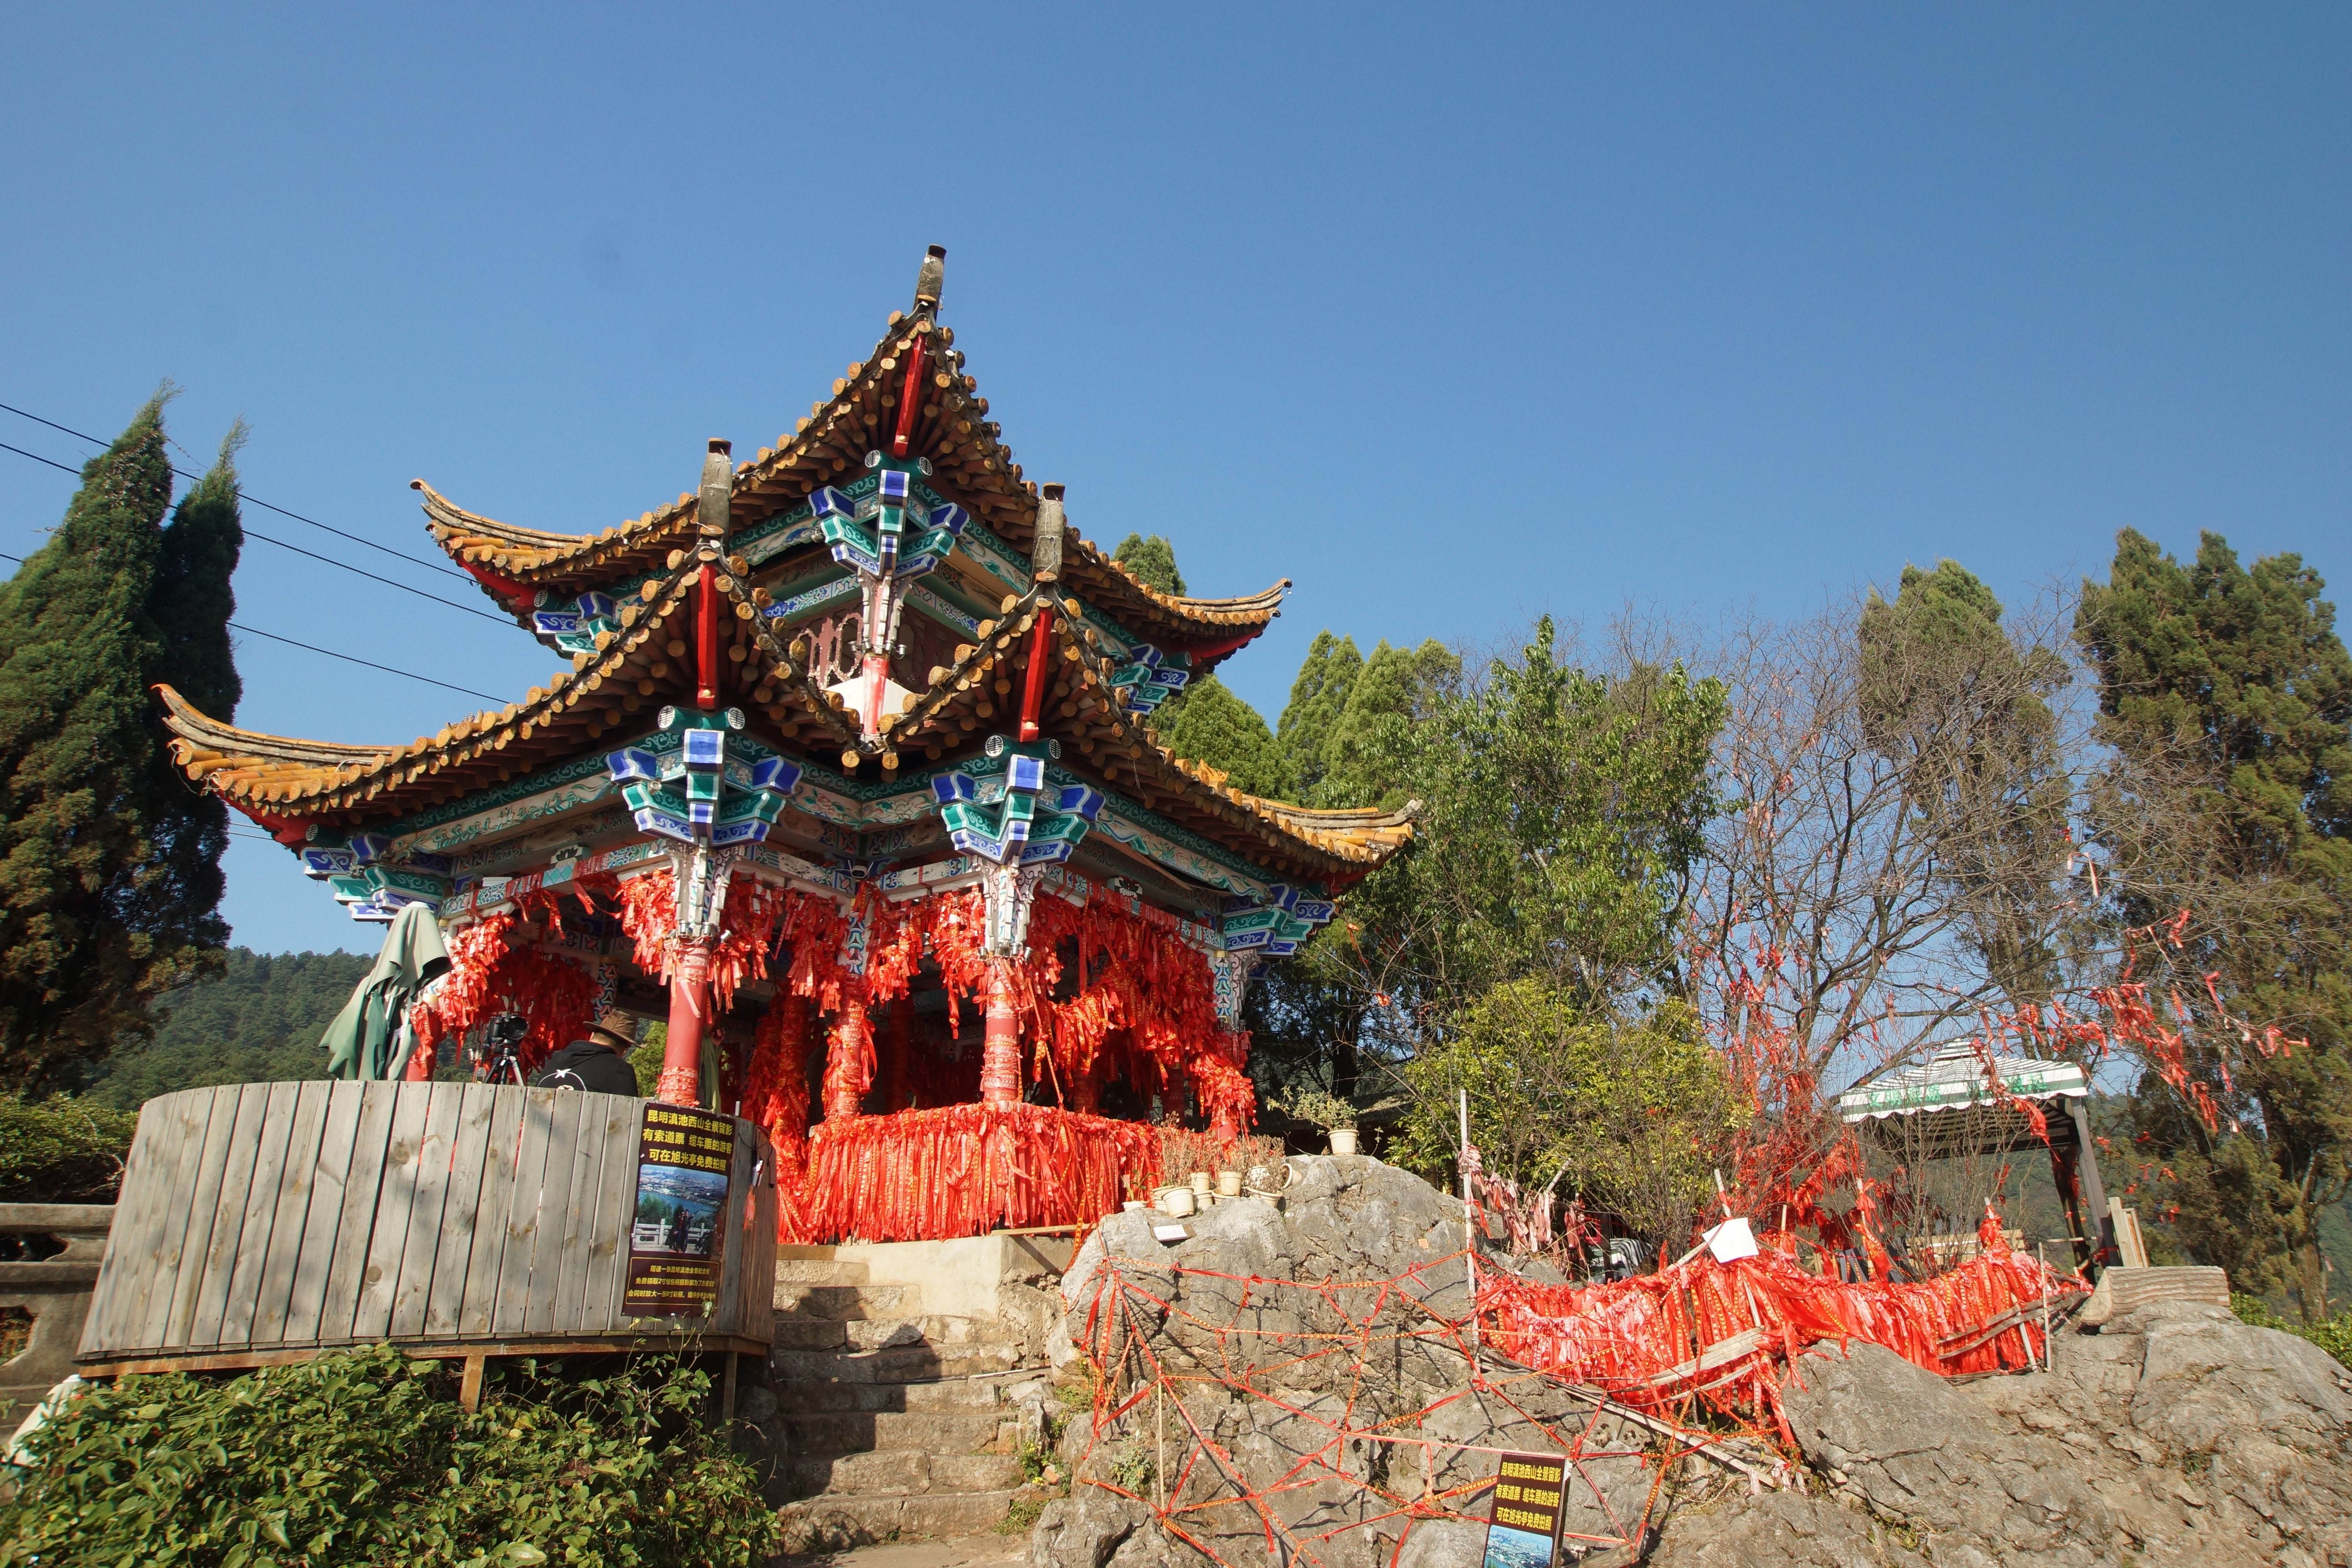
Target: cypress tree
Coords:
[(1212, 725), (1152, 562), (190, 604), (1317, 698), (2227, 696), (1365, 756), (78, 964)]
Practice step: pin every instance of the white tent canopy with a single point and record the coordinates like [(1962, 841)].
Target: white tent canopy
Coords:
[(1955, 1079)]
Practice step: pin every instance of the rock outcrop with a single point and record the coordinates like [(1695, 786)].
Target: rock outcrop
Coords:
[(2174, 1433)]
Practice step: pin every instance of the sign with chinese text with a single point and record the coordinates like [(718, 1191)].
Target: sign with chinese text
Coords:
[(1522, 1526), (678, 1235)]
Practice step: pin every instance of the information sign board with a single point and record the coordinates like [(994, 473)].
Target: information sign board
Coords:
[(1523, 1524), (678, 1236)]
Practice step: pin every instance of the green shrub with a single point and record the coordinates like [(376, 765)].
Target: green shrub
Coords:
[(2334, 1336), (61, 1150), (363, 1457)]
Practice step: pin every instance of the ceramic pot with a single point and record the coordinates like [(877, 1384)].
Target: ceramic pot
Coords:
[(1229, 1184), (1343, 1140), (1200, 1180), (1176, 1202)]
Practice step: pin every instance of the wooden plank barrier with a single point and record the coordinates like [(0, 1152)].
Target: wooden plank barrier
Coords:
[(259, 1223)]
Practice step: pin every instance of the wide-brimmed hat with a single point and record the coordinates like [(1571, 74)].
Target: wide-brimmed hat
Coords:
[(620, 1025)]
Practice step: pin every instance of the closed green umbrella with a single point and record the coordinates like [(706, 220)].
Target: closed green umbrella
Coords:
[(370, 1037)]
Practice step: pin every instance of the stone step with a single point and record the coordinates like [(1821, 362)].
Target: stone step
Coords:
[(902, 1472), (810, 1335), (909, 1364), (842, 1302), (889, 1333), (836, 1522), (865, 1431), (952, 1394), (820, 1271)]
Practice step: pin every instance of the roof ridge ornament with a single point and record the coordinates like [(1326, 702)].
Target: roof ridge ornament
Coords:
[(929, 278), (1045, 534), (718, 497)]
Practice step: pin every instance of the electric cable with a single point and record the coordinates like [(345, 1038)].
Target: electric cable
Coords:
[(328, 652), (245, 495), (329, 560)]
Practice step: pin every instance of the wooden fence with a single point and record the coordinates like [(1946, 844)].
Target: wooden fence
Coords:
[(259, 1223)]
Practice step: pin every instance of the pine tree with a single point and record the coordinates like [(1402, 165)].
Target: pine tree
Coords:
[(190, 605), (1316, 699), (77, 965), (1152, 562), (2227, 697)]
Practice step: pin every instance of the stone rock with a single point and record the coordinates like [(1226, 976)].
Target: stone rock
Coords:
[(1918, 1450), (1089, 1531), (1444, 1543), (2174, 1434)]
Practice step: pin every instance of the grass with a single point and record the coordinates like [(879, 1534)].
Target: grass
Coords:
[(2334, 1336)]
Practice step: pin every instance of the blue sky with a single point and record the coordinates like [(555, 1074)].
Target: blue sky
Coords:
[(1454, 316)]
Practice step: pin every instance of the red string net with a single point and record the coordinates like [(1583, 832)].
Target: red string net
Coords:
[(1264, 1420)]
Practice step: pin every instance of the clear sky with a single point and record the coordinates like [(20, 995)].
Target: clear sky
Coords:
[(1454, 315)]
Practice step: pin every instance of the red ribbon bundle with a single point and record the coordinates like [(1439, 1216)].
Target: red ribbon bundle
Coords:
[(492, 972), (747, 929), (1134, 973), (963, 1169), (1724, 1332)]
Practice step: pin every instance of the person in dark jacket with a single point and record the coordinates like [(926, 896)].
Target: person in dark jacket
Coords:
[(599, 1064)]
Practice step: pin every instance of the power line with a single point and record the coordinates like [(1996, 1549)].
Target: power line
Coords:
[(244, 494), (328, 652), (347, 659), (251, 534)]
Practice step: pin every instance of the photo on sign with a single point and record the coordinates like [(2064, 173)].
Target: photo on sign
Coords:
[(1508, 1548), (678, 1211)]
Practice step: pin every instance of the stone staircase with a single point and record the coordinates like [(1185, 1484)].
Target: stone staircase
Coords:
[(900, 1424)]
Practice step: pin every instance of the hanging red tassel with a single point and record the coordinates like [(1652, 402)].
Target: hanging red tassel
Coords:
[(964, 1170), (492, 971)]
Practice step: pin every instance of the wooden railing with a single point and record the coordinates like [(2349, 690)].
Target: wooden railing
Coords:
[(259, 1223)]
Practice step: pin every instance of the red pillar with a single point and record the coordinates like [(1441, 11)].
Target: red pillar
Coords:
[(689, 992), (848, 1060), (1000, 1051)]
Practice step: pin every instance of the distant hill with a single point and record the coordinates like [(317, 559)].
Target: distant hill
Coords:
[(259, 1021)]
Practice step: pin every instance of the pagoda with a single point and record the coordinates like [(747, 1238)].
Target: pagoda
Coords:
[(849, 776)]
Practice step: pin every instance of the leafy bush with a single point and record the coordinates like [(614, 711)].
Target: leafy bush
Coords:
[(61, 1150), (364, 1457), (2334, 1336)]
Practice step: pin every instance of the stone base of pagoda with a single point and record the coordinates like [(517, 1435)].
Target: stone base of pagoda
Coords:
[(965, 1170)]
